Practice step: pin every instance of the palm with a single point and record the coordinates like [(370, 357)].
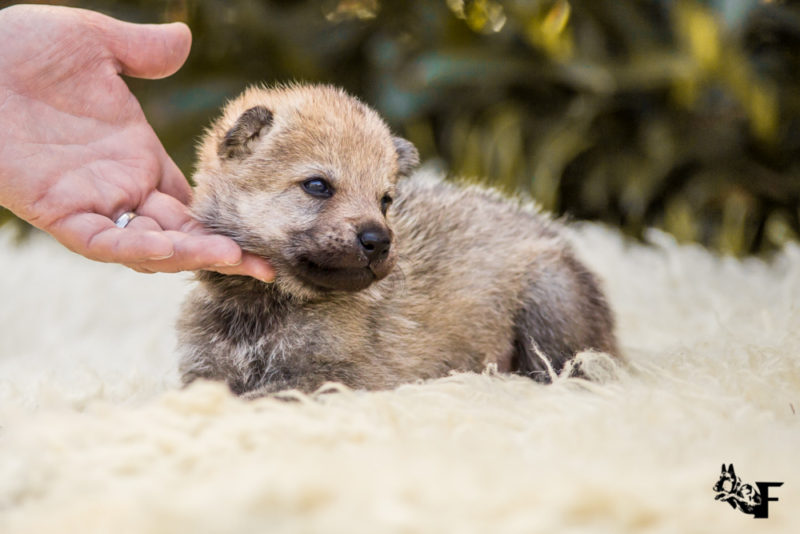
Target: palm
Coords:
[(81, 151)]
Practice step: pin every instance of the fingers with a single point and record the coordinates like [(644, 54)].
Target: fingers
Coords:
[(96, 237), (147, 50), (170, 213), (143, 224), (207, 252), (145, 247), (251, 265), (195, 247)]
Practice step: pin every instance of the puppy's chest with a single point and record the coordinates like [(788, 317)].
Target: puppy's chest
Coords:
[(279, 333)]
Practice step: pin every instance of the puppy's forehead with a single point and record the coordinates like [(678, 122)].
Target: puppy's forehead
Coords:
[(342, 126), (337, 129), (325, 124)]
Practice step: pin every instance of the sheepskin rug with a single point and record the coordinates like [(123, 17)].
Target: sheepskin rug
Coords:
[(97, 437)]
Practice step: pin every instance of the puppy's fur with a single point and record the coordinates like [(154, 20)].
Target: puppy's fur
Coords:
[(461, 277)]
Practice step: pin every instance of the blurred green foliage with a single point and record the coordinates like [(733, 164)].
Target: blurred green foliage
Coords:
[(679, 114)]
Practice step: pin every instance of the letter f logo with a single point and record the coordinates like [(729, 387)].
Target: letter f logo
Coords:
[(762, 510)]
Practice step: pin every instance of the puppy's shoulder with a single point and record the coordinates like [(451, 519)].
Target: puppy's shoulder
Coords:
[(460, 205)]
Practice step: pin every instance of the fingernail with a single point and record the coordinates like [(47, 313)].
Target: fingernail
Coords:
[(156, 258), (232, 264), (269, 278)]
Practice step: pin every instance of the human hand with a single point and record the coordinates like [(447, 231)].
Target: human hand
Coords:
[(76, 150)]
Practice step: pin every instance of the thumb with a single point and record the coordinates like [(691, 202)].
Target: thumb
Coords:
[(147, 50)]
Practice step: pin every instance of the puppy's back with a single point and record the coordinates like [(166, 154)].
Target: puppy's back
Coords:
[(485, 279)]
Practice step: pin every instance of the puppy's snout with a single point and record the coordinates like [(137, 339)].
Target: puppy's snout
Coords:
[(375, 242)]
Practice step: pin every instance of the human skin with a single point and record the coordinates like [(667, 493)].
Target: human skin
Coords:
[(76, 150)]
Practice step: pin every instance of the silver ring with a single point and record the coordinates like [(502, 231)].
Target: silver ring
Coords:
[(123, 220)]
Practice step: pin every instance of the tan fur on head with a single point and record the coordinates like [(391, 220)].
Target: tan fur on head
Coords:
[(254, 159)]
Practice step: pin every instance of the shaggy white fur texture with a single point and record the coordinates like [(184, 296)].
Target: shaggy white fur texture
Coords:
[(95, 436)]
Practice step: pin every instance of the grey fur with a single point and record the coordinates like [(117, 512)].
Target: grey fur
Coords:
[(473, 278)]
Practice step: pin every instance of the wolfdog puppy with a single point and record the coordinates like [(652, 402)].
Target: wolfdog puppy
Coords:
[(383, 276)]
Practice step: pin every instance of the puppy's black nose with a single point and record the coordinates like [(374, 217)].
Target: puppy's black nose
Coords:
[(375, 243)]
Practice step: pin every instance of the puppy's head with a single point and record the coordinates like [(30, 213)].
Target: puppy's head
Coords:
[(304, 176)]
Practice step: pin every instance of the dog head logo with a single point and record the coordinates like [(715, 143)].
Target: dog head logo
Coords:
[(744, 497)]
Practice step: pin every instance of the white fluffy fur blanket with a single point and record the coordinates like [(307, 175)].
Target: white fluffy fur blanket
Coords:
[(95, 435)]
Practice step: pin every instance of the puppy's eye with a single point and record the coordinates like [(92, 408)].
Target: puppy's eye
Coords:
[(386, 201), (318, 187)]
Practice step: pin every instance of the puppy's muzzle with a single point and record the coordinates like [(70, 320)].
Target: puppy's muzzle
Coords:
[(375, 243)]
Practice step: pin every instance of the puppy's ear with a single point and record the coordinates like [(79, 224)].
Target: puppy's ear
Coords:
[(407, 156), (238, 141)]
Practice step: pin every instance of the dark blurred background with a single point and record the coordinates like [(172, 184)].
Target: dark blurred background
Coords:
[(678, 114)]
